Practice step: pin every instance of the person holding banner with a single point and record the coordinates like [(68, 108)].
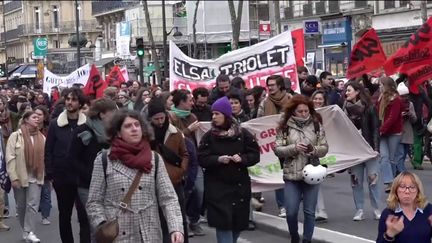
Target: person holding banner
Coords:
[(359, 109), (300, 140), (272, 105), (390, 116), (226, 151)]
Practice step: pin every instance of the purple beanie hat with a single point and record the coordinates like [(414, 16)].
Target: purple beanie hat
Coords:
[(223, 105)]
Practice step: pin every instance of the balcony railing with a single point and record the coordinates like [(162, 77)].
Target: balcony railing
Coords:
[(62, 27), (99, 7), (13, 5)]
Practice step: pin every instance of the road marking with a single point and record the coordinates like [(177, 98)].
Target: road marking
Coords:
[(241, 240)]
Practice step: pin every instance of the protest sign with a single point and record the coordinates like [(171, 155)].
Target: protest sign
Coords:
[(79, 76), (254, 64), (367, 55), (267, 174)]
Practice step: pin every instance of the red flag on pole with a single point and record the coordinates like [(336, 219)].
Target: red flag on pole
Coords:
[(366, 56), (414, 53), (299, 46), (115, 77), (95, 84)]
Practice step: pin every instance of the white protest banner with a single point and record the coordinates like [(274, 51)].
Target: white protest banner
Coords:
[(79, 76), (343, 153), (254, 64)]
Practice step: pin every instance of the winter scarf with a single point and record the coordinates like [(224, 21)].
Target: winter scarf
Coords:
[(354, 111), (274, 103), (180, 113), (160, 132), (98, 129), (233, 131), (133, 156), (34, 151), (301, 122)]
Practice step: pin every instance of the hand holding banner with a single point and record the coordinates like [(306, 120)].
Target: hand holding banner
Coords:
[(366, 56)]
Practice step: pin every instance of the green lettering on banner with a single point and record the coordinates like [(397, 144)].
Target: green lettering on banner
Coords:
[(258, 170), (329, 160)]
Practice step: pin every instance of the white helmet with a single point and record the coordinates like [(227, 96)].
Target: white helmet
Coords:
[(314, 174)]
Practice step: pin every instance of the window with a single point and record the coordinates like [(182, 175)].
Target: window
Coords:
[(37, 18), (333, 6), (389, 4), (360, 3), (55, 13), (56, 44), (403, 4)]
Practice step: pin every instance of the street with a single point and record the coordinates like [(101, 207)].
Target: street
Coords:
[(338, 201)]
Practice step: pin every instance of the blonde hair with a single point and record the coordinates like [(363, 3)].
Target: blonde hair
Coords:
[(393, 200)]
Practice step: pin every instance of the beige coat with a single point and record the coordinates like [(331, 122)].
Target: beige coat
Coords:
[(294, 162), (15, 159), (140, 221)]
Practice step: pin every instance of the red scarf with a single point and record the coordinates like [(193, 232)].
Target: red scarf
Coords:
[(133, 156)]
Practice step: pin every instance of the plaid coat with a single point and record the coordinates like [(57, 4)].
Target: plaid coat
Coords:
[(140, 221)]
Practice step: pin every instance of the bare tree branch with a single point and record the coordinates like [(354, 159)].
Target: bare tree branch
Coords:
[(195, 49), (152, 43), (235, 22)]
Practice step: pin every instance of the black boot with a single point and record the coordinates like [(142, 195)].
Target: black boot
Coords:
[(295, 238), (307, 241)]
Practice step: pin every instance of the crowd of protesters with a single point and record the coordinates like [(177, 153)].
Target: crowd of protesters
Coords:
[(133, 154)]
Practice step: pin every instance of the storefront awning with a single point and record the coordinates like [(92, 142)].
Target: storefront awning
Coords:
[(332, 45), (24, 71)]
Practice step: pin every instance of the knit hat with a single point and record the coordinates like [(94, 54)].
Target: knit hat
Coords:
[(402, 89), (223, 106), (155, 106)]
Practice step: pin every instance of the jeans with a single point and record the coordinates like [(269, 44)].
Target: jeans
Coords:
[(227, 236), (280, 197), (371, 167), (83, 197), (400, 156), (27, 200), (194, 202), (67, 197), (388, 146), (295, 192), (181, 198), (45, 200), (320, 202), (417, 150)]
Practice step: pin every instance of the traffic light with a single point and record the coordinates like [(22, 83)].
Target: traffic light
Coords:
[(140, 47), (2, 70)]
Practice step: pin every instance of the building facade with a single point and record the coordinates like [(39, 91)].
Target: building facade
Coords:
[(55, 20)]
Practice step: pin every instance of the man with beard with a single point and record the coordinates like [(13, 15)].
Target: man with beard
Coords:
[(59, 169), (223, 87), (272, 105), (180, 115), (169, 142), (201, 108)]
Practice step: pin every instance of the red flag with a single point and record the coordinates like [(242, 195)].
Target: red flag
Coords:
[(95, 84), (115, 77), (417, 75), (299, 46), (414, 53), (366, 56)]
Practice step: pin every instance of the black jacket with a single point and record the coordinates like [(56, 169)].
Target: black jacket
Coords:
[(242, 117), (82, 156), (57, 165), (369, 126), (202, 114), (227, 186)]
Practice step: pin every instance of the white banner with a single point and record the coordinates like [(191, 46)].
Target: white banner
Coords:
[(79, 76), (254, 64), (343, 153), (123, 33)]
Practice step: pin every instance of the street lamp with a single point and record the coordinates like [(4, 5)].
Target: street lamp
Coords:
[(176, 34), (77, 10)]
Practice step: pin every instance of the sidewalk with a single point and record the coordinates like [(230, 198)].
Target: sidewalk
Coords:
[(275, 225)]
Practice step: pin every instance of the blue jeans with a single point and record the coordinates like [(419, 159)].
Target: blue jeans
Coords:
[(195, 199), (295, 191), (227, 236), (371, 167), (83, 197), (45, 200), (280, 197), (388, 147), (400, 156)]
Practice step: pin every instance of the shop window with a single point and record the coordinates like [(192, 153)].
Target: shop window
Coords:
[(389, 4), (333, 6)]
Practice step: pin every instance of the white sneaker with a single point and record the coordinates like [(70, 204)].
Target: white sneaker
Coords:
[(45, 221), (321, 215), (282, 213), (31, 237), (359, 215), (24, 235), (377, 214)]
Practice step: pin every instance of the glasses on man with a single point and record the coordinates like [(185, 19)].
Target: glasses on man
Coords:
[(403, 188)]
